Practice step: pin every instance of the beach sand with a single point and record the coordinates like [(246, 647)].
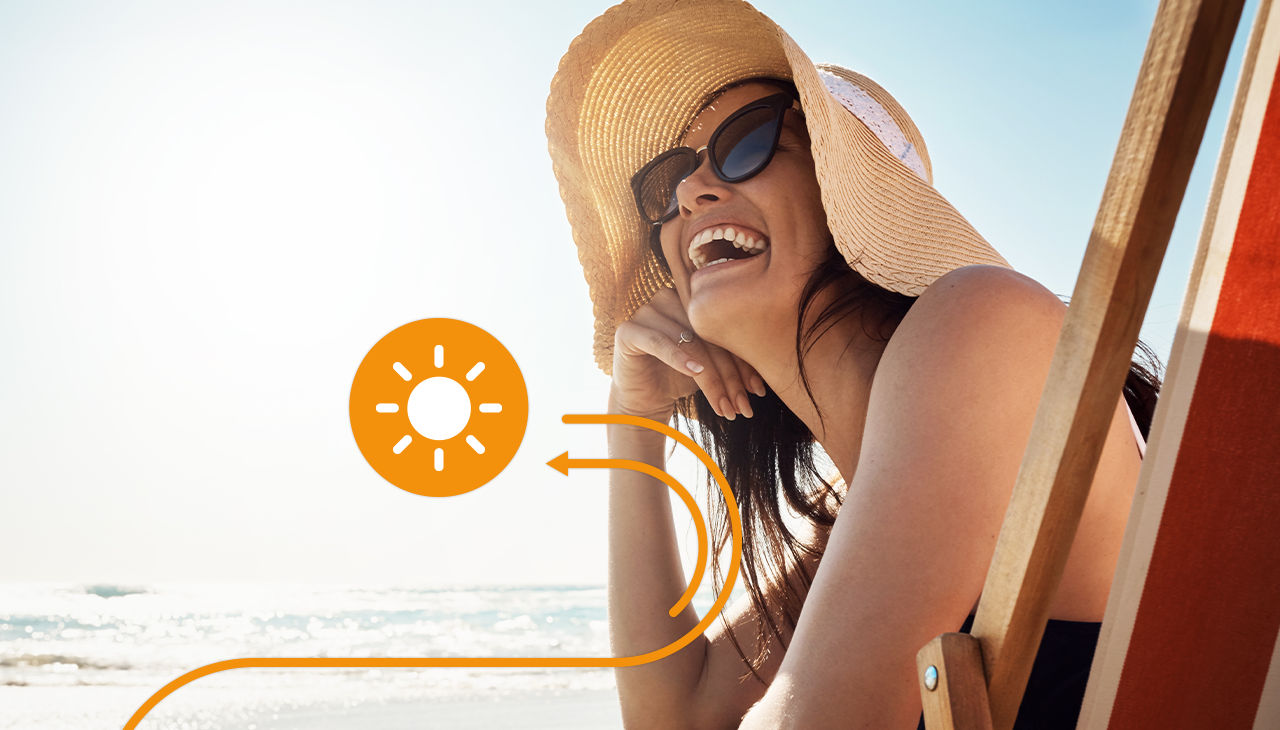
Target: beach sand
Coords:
[(578, 710), (91, 708)]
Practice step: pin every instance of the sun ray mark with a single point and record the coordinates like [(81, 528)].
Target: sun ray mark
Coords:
[(439, 356), (491, 408), (403, 372), (475, 444), (439, 459), (475, 371), (402, 444), (387, 408)]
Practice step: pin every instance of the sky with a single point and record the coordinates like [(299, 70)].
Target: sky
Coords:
[(210, 212)]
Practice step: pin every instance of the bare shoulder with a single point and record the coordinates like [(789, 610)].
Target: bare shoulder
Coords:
[(973, 313), (985, 282), (962, 376)]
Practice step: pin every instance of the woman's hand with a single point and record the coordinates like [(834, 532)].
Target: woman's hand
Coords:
[(652, 368)]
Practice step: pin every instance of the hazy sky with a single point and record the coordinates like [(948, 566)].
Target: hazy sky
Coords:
[(209, 213)]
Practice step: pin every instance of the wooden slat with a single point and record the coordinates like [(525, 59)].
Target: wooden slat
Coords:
[(959, 699), (1171, 102), (1210, 606), (1206, 504)]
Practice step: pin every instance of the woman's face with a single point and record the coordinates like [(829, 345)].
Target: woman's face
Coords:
[(780, 208)]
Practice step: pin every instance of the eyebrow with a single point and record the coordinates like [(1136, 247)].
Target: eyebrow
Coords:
[(683, 137), (796, 125)]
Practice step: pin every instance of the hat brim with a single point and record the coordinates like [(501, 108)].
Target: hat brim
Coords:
[(626, 90)]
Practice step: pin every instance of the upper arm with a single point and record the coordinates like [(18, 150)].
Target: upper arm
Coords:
[(948, 419)]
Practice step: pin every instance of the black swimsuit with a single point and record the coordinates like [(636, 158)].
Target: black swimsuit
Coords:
[(1055, 690)]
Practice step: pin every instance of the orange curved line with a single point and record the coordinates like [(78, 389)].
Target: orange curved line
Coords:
[(735, 519), (700, 567), (731, 505), (735, 525)]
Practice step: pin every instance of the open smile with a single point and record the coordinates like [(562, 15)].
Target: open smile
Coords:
[(720, 244), (723, 264)]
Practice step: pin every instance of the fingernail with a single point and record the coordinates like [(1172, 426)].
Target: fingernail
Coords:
[(726, 409), (744, 406), (757, 386), (694, 365)]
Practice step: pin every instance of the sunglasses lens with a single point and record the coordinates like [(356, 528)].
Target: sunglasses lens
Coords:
[(741, 147), (745, 146), (656, 193)]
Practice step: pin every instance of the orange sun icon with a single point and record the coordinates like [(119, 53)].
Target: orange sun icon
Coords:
[(438, 407)]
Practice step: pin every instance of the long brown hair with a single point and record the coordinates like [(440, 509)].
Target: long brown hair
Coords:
[(769, 460)]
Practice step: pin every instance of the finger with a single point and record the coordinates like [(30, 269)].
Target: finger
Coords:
[(733, 400), (637, 338), (711, 381), (721, 384), (750, 377), (655, 320)]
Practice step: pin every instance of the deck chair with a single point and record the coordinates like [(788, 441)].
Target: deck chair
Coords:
[(1189, 635)]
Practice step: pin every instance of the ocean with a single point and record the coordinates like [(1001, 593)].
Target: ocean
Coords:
[(87, 656)]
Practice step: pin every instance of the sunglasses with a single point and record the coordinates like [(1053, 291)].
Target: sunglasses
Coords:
[(738, 149)]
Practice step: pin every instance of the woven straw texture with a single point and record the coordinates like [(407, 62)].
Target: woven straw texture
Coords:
[(628, 86)]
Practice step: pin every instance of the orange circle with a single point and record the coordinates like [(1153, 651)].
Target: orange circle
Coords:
[(435, 348)]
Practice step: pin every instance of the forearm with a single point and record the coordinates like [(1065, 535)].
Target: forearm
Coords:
[(645, 581)]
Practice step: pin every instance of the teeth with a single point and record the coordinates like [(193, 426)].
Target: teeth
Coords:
[(719, 261), (740, 239)]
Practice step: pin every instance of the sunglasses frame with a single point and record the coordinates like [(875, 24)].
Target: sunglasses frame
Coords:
[(779, 103)]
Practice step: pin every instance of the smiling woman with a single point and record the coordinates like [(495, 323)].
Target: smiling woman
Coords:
[(784, 257)]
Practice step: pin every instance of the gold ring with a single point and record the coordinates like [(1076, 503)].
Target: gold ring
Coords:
[(685, 336)]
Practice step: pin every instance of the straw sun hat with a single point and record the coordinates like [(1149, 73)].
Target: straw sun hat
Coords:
[(630, 83)]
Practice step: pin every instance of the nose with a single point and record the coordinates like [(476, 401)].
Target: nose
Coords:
[(701, 187)]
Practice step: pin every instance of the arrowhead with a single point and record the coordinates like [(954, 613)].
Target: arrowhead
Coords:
[(560, 463)]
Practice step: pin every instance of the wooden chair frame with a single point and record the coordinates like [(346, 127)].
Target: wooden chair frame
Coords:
[(977, 680)]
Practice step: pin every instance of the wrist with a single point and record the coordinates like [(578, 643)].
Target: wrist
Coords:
[(617, 407), (620, 429)]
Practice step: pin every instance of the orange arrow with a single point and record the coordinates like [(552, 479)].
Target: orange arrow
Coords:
[(563, 463)]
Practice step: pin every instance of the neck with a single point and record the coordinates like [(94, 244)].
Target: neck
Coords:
[(840, 368)]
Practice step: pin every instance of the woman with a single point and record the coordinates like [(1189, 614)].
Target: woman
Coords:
[(783, 271)]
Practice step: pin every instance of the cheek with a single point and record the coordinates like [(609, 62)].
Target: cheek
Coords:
[(811, 218), (795, 184), (808, 195), (670, 250), (806, 221)]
